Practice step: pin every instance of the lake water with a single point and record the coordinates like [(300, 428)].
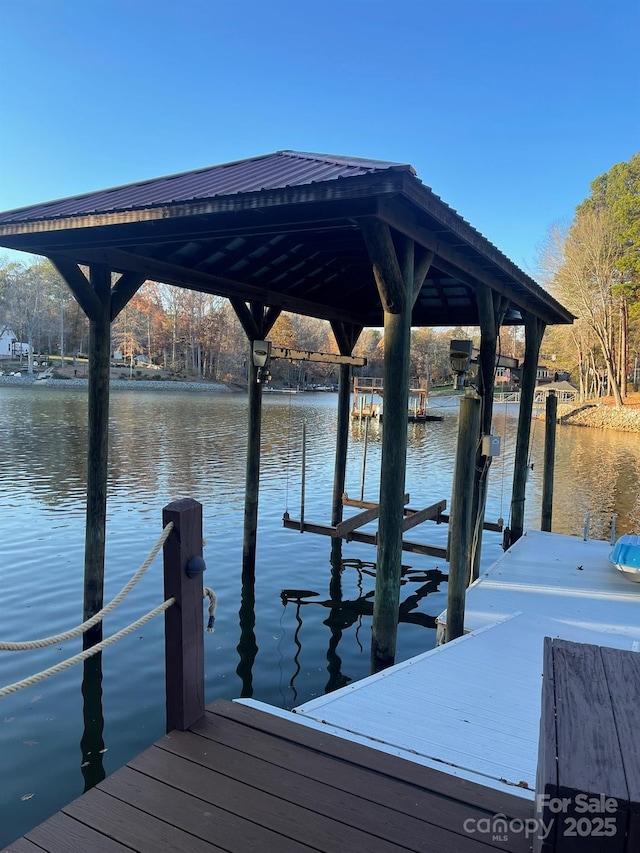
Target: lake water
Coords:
[(284, 651)]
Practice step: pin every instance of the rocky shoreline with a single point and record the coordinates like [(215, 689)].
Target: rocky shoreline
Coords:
[(599, 416), (117, 384)]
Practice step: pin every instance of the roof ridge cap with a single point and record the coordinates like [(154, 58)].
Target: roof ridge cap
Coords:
[(345, 160)]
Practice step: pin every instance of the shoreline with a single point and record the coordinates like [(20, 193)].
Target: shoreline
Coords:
[(598, 416), (116, 384)]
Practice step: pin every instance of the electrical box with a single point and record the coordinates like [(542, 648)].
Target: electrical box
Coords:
[(491, 445)]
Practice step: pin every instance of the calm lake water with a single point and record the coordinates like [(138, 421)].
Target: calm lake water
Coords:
[(170, 445)]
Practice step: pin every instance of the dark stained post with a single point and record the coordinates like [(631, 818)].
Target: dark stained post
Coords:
[(395, 279), (342, 440), (551, 417), (346, 336), (257, 324), (491, 309), (252, 481), (97, 448), (461, 520), (534, 330), (184, 629)]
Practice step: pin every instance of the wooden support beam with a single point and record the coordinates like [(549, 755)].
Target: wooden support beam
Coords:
[(158, 270), (424, 259), (356, 521), (244, 315), (429, 513), (347, 501), (320, 357), (534, 331), (397, 339), (270, 315), (125, 288), (365, 538), (491, 309), (342, 442), (404, 220), (97, 450), (386, 269), (346, 335), (551, 419), (79, 286), (495, 526), (461, 527)]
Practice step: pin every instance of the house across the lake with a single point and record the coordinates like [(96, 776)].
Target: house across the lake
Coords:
[(10, 346)]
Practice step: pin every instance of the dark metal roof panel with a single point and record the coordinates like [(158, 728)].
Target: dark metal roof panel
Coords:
[(269, 172)]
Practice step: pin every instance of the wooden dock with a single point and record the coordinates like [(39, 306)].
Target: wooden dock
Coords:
[(245, 780)]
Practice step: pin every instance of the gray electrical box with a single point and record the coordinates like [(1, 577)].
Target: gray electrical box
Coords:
[(491, 445)]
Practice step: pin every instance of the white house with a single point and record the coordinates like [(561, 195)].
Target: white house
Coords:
[(10, 346), (7, 340)]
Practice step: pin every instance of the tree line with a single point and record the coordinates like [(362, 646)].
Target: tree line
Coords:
[(190, 334), (592, 265)]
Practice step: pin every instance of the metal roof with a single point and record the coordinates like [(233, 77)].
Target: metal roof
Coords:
[(267, 172), (283, 229)]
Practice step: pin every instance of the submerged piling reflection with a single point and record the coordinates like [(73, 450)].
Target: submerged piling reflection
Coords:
[(92, 743)]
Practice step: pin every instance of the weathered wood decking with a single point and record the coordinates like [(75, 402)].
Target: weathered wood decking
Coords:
[(245, 780)]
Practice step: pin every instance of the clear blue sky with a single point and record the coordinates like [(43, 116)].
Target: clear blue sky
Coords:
[(506, 108)]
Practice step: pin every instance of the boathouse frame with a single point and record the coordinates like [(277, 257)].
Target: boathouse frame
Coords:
[(357, 242)]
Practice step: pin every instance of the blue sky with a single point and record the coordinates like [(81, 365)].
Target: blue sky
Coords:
[(506, 108)]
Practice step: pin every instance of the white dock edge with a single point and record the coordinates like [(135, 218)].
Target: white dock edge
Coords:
[(471, 708)]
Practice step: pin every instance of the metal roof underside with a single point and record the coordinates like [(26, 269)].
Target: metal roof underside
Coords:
[(281, 229)]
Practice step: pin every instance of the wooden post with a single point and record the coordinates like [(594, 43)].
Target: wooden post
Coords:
[(342, 440), (304, 475), (534, 330), (461, 520), (97, 449), (184, 628), (551, 415), (252, 480), (364, 458), (491, 309), (397, 332), (256, 322)]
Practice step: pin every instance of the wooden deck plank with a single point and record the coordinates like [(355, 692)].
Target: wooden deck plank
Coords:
[(245, 780), (62, 832), (196, 815), (21, 845), (622, 670), (410, 801), (377, 761), (262, 808), (129, 826), (418, 816)]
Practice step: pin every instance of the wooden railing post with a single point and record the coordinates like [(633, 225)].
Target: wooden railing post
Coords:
[(184, 629), (551, 418)]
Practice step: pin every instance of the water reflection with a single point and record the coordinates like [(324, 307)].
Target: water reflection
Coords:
[(345, 613), (92, 743), (247, 647)]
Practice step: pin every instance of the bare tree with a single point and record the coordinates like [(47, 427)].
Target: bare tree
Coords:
[(579, 263)]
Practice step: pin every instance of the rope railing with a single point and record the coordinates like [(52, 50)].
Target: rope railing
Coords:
[(184, 664), (87, 653), (25, 645)]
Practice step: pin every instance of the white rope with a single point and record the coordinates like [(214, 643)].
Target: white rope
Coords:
[(81, 629), (213, 601), (87, 653)]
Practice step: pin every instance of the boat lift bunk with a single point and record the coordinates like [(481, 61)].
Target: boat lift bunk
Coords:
[(348, 529)]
